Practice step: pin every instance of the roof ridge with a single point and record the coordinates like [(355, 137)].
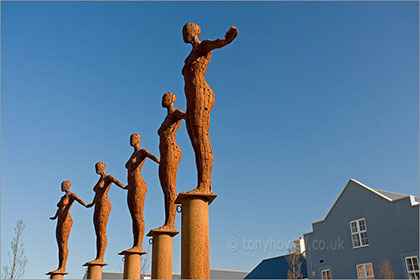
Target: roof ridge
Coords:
[(392, 192)]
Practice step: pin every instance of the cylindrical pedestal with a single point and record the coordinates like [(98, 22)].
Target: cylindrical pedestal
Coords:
[(132, 264), (162, 253), (56, 274), (94, 270), (195, 255)]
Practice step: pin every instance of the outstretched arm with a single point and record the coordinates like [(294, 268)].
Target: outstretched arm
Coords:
[(209, 45), (56, 214), (116, 182), (152, 157), (180, 114), (93, 202), (78, 199)]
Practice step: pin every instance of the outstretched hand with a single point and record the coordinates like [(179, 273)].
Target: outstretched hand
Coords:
[(52, 218), (89, 205), (231, 34)]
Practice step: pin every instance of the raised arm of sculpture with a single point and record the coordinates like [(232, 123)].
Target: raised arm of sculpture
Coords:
[(151, 156), (78, 199), (116, 182), (209, 45), (179, 114)]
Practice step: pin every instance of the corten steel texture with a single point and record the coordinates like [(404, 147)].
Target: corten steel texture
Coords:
[(162, 253), (137, 190), (132, 264), (94, 270), (102, 209), (64, 223), (170, 155), (200, 98), (195, 255)]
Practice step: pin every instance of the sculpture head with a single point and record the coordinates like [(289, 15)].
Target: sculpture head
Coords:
[(190, 32), (135, 139), (168, 99), (65, 186), (100, 167)]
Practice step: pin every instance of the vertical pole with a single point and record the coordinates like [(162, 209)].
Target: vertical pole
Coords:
[(132, 264), (162, 253), (94, 270), (195, 251)]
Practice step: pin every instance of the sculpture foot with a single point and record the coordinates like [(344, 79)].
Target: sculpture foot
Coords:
[(199, 190), (96, 261), (58, 271), (134, 249), (165, 228)]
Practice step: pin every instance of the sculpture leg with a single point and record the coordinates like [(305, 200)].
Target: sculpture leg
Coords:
[(200, 140), (135, 205), (170, 208), (62, 234), (167, 176), (101, 238)]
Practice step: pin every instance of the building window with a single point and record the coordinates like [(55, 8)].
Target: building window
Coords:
[(326, 274), (365, 271), (359, 233), (412, 267)]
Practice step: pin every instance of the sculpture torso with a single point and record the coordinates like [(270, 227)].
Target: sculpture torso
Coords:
[(167, 133), (65, 204), (101, 189), (196, 87), (134, 166)]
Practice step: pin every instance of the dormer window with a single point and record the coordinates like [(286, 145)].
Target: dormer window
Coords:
[(359, 233)]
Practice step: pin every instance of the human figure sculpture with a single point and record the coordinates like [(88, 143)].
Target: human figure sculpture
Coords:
[(64, 224), (137, 190), (200, 99), (102, 209), (170, 155)]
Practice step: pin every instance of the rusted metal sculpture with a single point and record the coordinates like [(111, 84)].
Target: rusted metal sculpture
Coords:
[(137, 190), (102, 210), (64, 224), (200, 99), (170, 155)]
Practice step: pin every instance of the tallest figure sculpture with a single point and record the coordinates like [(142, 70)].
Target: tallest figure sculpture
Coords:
[(200, 99), (195, 259)]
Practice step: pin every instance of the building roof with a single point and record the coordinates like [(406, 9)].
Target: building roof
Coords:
[(392, 195), (387, 195), (275, 268)]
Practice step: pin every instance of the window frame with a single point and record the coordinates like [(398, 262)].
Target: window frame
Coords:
[(365, 271), (358, 233), (414, 271), (326, 270)]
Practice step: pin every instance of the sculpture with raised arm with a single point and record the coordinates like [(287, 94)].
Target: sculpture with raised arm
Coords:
[(102, 209), (64, 223), (137, 190), (200, 99), (170, 155)]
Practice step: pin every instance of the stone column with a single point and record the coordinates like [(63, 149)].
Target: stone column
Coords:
[(162, 253), (132, 264), (94, 270), (195, 255), (56, 275)]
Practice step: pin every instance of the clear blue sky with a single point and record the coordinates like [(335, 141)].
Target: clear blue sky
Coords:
[(309, 95)]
